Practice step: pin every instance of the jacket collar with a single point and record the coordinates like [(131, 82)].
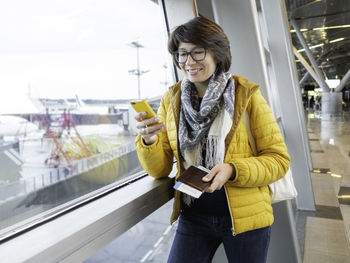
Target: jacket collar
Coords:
[(175, 98), (244, 90)]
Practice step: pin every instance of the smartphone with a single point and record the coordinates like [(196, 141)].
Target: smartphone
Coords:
[(142, 105)]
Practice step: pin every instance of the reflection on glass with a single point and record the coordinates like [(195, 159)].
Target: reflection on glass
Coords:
[(66, 126)]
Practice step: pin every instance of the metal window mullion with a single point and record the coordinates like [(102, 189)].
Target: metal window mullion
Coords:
[(306, 75)]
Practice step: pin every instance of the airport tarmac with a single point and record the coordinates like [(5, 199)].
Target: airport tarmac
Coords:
[(35, 152), (42, 188)]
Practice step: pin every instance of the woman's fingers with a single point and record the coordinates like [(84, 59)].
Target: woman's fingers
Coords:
[(148, 128), (149, 134), (210, 175), (148, 122), (140, 118), (215, 185), (152, 130), (218, 176), (140, 115)]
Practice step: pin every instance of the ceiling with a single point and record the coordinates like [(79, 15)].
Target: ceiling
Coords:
[(333, 57)]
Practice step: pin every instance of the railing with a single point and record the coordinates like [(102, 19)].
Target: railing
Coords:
[(27, 185)]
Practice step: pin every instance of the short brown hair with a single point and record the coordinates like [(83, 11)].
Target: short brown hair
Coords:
[(206, 33)]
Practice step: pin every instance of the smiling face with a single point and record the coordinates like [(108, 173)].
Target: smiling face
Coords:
[(198, 72)]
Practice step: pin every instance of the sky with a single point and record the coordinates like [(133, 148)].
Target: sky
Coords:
[(59, 48)]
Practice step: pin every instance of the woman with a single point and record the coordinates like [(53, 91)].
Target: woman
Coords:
[(201, 124)]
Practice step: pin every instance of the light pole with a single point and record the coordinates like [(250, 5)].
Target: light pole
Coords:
[(137, 71)]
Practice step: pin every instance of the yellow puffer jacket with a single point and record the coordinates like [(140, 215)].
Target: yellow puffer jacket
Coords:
[(248, 195)]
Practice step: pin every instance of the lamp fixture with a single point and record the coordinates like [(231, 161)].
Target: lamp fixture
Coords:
[(337, 40), (330, 27), (321, 28)]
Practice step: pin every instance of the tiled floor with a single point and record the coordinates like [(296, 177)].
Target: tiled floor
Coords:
[(326, 237), (325, 241)]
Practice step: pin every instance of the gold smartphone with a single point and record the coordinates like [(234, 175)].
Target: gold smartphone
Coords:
[(142, 105)]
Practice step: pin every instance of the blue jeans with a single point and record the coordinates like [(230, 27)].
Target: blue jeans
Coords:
[(198, 237)]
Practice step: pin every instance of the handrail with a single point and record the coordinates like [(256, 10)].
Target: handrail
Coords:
[(76, 235)]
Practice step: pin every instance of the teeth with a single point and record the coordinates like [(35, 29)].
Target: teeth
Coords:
[(193, 70)]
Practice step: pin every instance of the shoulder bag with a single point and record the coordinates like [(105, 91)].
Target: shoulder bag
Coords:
[(282, 189)]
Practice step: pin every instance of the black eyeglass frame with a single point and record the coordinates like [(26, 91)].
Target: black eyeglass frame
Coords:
[(176, 55)]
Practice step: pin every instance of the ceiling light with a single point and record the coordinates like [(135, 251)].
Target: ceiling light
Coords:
[(343, 196), (315, 46), (322, 44), (301, 30), (336, 175), (336, 40), (321, 28), (330, 27), (312, 47)]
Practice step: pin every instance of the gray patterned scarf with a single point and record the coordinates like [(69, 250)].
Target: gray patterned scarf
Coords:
[(196, 120)]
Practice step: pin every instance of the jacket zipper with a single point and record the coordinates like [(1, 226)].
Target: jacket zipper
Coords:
[(244, 108), (228, 202), (229, 208)]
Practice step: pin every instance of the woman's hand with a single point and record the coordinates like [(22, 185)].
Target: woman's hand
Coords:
[(219, 175), (148, 128)]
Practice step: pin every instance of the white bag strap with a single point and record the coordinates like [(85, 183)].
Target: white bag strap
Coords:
[(251, 140)]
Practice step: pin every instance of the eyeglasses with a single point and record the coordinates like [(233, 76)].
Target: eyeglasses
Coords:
[(197, 54)]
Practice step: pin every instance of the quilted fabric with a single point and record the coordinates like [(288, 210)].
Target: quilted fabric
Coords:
[(248, 195)]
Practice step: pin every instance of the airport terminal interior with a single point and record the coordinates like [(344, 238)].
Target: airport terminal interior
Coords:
[(72, 188)]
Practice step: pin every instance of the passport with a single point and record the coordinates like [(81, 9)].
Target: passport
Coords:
[(190, 181)]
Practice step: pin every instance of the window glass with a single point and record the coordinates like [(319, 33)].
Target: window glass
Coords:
[(148, 241), (68, 71), (272, 85)]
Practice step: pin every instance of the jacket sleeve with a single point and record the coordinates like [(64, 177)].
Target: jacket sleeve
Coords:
[(157, 158), (273, 160)]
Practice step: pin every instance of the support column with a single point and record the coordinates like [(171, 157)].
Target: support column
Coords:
[(292, 109), (238, 22), (305, 77), (343, 82), (332, 103), (307, 66), (284, 244), (323, 85)]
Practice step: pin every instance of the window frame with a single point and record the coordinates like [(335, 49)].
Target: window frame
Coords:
[(74, 236)]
